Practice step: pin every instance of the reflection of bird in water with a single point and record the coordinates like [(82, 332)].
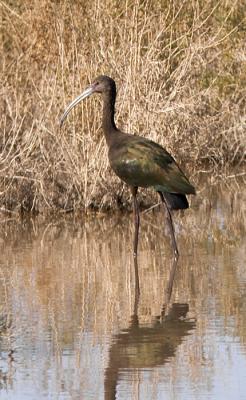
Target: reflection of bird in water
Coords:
[(145, 347), (137, 161)]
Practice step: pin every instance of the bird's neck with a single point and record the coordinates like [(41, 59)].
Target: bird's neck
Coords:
[(108, 124)]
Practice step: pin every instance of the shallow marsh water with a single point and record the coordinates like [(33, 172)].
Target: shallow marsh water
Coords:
[(71, 327)]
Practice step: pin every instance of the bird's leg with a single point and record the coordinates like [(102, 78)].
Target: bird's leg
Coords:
[(169, 287), (134, 190), (170, 224), (137, 287)]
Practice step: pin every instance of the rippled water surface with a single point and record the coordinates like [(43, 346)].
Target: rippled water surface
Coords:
[(71, 326)]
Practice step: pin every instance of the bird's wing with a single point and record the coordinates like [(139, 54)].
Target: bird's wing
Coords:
[(141, 162)]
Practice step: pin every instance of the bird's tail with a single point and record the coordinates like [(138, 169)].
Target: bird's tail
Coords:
[(176, 201)]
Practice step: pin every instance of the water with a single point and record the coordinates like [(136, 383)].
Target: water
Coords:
[(72, 328)]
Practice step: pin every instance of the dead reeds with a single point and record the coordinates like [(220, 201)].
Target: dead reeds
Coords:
[(180, 71)]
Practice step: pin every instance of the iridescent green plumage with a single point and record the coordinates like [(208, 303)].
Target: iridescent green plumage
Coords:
[(142, 162)]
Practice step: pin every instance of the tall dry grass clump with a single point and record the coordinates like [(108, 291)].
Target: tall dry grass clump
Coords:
[(180, 71)]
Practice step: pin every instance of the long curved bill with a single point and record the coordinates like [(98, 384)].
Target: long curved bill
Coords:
[(76, 101)]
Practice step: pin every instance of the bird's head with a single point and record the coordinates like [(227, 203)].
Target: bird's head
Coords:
[(102, 84)]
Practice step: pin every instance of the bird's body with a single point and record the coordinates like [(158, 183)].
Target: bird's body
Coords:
[(143, 163), (138, 161)]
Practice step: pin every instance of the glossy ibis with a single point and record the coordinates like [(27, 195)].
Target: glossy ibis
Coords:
[(138, 161)]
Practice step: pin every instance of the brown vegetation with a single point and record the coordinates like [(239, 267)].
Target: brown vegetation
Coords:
[(180, 71)]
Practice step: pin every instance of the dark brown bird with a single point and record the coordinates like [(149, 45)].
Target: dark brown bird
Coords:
[(138, 161)]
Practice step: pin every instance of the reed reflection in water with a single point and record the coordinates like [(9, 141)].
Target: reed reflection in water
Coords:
[(72, 328)]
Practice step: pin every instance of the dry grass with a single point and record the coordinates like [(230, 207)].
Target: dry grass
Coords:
[(180, 71)]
